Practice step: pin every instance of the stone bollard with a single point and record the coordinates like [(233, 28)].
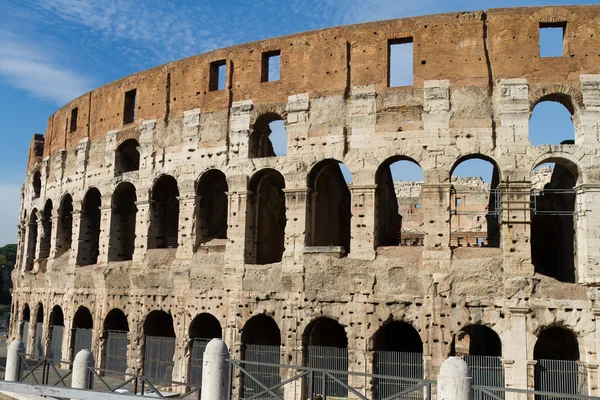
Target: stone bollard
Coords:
[(215, 371), (81, 377), (13, 361), (454, 382)]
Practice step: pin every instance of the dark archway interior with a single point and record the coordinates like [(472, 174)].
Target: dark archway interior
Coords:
[(159, 323), (57, 317), (212, 207), (262, 330), (39, 318), (47, 230), (268, 215), (326, 332), (64, 233), (398, 336), (477, 340), (116, 320), (553, 227), (330, 205), (164, 221), (37, 184), (89, 232), (127, 157), (205, 326), (260, 144), (122, 237), (83, 319), (26, 313), (32, 239), (556, 344)]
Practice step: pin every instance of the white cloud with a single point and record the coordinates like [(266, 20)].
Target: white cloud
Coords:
[(10, 203), (27, 66)]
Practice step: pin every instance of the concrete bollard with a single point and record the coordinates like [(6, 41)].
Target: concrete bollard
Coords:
[(215, 371), (13, 361), (81, 377), (454, 382)]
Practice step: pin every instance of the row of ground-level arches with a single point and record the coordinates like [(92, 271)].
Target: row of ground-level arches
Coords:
[(475, 211), (397, 350)]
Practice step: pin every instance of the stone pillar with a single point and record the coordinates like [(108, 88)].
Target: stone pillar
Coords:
[(515, 227), (105, 223), (109, 152), (517, 349), (75, 233), (436, 105), (191, 130), (54, 241), (236, 227), (30, 344), (13, 361), (362, 226), (512, 109), (82, 377), (587, 226), (146, 150), (454, 382), (239, 131), (587, 120), (435, 201), (362, 116), (215, 371), (295, 227), (142, 224), (187, 224), (297, 127)]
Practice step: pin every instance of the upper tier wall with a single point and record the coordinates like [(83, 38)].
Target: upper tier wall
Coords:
[(469, 49)]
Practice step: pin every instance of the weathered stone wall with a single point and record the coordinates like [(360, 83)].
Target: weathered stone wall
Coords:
[(477, 76)]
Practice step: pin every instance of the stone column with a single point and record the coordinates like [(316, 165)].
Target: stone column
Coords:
[(142, 224), (297, 127), (75, 234), (515, 227), (362, 226), (105, 224), (109, 152), (587, 226), (511, 101), (187, 224), (587, 120), (239, 131), (54, 240), (517, 349), (295, 228), (435, 201), (236, 239), (215, 371)]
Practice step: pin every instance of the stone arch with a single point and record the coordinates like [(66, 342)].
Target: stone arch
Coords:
[(46, 239), (56, 333), (36, 184), (83, 324), (38, 348), (211, 207), (122, 223), (329, 209), (24, 331), (89, 228), (266, 217), (388, 216), (64, 233), (115, 332), (566, 95), (32, 239), (260, 143), (115, 320), (203, 328), (159, 345), (127, 157), (164, 213), (478, 340)]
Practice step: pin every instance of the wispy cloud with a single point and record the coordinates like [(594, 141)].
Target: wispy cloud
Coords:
[(28, 66), (10, 202)]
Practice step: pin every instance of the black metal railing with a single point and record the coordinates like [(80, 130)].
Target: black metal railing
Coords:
[(43, 371), (499, 393)]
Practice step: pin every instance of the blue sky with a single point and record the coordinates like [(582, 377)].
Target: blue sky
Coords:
[(52, 51)]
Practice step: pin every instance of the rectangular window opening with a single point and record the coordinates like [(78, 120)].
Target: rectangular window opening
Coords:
[(129, 107), (552, 39), (73, 126), (271, 66), (400, 62), (218, 71), (458, 202)]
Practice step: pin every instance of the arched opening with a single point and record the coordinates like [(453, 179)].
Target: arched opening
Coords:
[(326, 347), (89, 229), (553, 220), (398, 352), (64, 234), (57, 327), (36, 184), (261, 342), (474, 207), (38, 349), (398, 212), (557, 367), (211, 216), (164, 214), (25, 325), (83, 324), (32, 240), (159, 345), (266, 218), (481, 348), (127, 157), (551, 121), (202, 329), (268, 137), (116, 334), (329, 206), (45, 240), (122, 223)]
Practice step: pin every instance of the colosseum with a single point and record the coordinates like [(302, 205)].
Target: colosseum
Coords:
[(156, 213)]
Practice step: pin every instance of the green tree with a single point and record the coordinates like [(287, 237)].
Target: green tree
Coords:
[(8, 258)]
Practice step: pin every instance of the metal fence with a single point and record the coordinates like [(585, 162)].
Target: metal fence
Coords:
[(400, 364), (560, 376), (267, 375), (56, 343), (117, 343), (82, 339), (25, 334), (328, 358), (39, 332), (158, 357), (196, 360), (486, 370)]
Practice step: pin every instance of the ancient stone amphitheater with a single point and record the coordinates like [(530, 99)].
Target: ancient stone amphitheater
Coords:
[(157, 215)]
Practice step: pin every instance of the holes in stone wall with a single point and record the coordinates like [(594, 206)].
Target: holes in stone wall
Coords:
[(552, 39), (129, 106), (271, 66), (400, 62), (217, 75)]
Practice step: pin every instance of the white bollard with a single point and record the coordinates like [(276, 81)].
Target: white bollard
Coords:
[(215, 371), (13, 361), (454, 382), (81, 377)]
